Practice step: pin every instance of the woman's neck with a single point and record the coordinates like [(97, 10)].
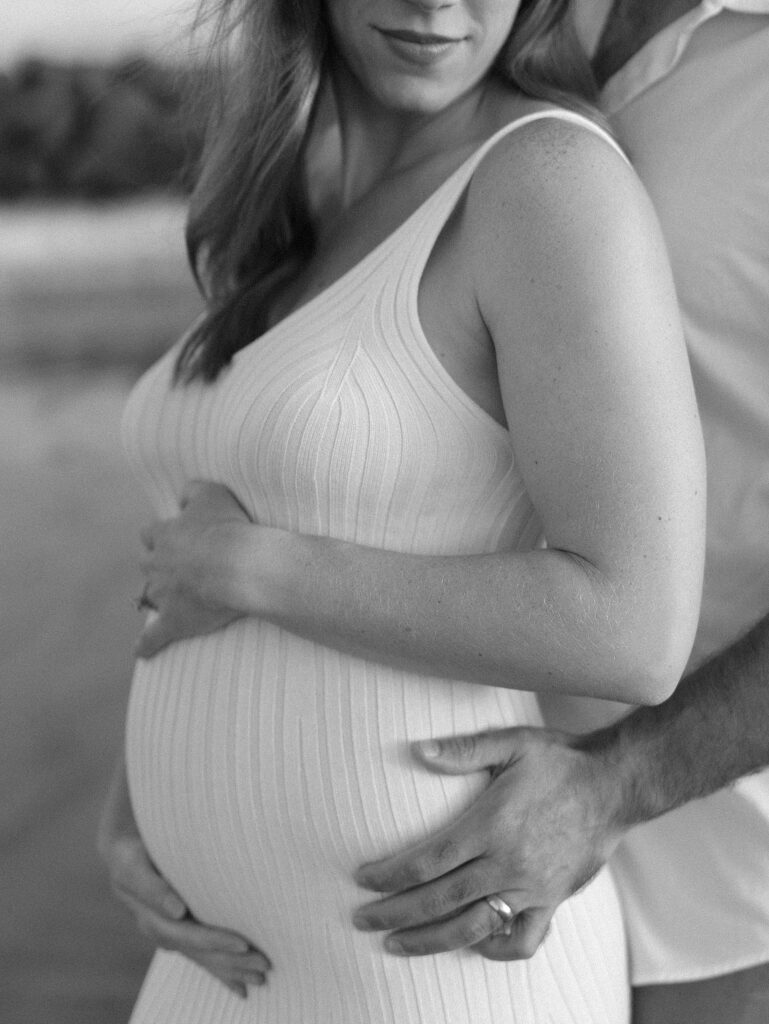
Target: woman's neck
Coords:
[(379, 143)]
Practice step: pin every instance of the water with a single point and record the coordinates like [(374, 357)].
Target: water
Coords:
[(93, 28), (69, 521)]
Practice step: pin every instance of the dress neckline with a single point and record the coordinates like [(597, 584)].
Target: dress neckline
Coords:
[(379, 250)]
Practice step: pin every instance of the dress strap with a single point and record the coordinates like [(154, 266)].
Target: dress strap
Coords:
[(436, 211), (559, 114), (465, 171)]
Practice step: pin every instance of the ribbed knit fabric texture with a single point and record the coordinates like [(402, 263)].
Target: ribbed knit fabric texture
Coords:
[(265, 768)]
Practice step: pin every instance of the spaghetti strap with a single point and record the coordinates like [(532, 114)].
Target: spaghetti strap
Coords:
[(466, 170)]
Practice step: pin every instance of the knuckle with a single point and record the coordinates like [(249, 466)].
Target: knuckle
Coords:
[(431, 906), (445, 851), (460, 891), (414, 873)]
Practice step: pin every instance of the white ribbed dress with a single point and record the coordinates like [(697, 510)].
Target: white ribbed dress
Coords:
[(264, 768)]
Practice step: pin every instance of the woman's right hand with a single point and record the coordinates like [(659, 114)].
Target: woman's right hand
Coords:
[(159, 911)]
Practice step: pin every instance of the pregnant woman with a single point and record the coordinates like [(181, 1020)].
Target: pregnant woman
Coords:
[(354, 458)]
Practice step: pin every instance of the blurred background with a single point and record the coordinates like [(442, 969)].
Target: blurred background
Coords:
[(94, 285)]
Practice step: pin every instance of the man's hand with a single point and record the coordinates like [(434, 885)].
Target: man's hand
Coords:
[(159, 911), (541, 829)]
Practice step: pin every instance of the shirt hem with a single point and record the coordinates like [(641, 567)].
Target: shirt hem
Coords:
[(702, 973)]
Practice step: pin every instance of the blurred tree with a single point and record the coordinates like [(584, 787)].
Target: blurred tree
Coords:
[(39, 121), (94, 132), (132, 144)]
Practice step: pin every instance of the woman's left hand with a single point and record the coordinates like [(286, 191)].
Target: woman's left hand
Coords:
[(188, 563)]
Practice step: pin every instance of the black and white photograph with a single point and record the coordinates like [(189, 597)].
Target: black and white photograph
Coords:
[(384, 517)]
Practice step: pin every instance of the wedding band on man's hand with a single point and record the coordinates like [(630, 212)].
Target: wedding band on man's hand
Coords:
[(505, 912), (143, 603)]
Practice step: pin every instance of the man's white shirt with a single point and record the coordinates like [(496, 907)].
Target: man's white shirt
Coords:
[(691, 109)]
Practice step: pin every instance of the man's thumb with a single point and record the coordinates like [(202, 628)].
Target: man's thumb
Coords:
[(459, 755)]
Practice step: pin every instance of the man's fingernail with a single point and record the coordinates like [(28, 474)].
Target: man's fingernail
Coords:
[(361, 922), (237, 946), (361, 877), (393, 946), (430, 748)]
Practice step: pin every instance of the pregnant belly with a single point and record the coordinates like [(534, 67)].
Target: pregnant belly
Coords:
[(264, 769)]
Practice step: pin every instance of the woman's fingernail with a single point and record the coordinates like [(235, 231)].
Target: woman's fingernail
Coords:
[(174, 907), (429, 749), (237, 946), (394, 946)]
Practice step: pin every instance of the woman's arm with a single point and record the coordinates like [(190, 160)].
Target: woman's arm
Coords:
[(572, 281)]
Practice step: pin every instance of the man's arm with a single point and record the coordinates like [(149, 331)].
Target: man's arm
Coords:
[(708, 734), (557, 805)]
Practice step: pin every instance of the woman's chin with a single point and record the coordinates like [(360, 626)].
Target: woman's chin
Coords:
[(416, 96)]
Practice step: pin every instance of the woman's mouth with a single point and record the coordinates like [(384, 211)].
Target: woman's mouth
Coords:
[(419, 47)]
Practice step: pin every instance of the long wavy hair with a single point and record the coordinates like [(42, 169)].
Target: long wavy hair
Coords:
[(249, 228)]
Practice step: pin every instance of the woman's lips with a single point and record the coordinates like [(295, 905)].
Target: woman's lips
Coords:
[(419, 47)]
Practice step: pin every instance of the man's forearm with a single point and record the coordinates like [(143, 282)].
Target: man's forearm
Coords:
[(558, 804), (713, 730)]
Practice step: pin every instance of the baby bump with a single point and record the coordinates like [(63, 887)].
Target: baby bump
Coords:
[(263, 767)]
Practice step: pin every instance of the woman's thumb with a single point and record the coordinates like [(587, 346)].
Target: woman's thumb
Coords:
[(459, 755)]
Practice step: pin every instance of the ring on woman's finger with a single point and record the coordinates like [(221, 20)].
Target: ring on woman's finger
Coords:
[(505, 912), (143, 602)]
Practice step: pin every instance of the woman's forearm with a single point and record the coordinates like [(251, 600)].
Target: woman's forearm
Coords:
[(544, 620), (599, 403)]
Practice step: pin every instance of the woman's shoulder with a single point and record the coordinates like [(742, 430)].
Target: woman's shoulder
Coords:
[(547, 163), (549, 142)]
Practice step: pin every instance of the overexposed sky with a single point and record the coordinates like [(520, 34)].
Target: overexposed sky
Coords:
[(91, 28)]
